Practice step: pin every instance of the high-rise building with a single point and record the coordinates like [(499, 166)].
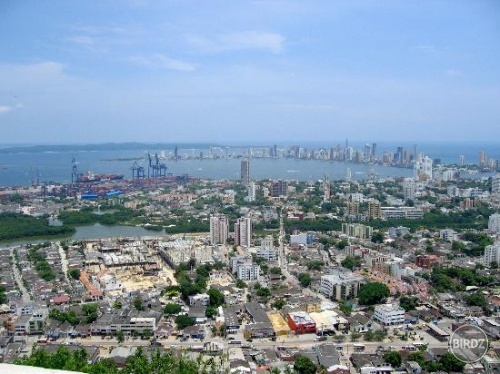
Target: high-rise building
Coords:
[(409, 189), (243, 232), (492, 254), (279, 188), (326, 190), (423, 168), (245, 171), (483, 159), (374, 210), (219, 229), (494, 223), (495, 184), (461, 160)]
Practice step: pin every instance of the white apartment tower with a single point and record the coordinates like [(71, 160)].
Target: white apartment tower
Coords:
[(495, 184), (409, 189), (492, 253), (219, 229), (243, 232), (494, 223), (423, 168)]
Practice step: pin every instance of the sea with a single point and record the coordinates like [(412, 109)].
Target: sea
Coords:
[(24, 168)]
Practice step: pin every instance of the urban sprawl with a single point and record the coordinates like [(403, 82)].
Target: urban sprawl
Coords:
[(266, 276)]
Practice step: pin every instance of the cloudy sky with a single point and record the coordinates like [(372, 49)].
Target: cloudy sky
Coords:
[(258, 71)]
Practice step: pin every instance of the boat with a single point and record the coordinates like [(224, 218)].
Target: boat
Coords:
[(91, 177)]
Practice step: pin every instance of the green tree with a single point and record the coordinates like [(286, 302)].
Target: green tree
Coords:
[(304, 365), (172, 308), (450, 363), (138, 303), (351, 263), (184, 321), (373, 293), (216, 297), (304, 279), (408, 303), (279, 304), (240, 283), (377, 237), (393, 358), (74, 273), (120, 336), (210, 311)]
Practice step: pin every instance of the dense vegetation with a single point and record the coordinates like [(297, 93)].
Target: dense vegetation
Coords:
[(16, 226), (87, 216), (158, 363), (89, 312), (37, 256), (434, 220), (456, 279), (3, 296), (373, 293)]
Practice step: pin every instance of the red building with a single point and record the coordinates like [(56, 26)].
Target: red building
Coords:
[(427, 261), (301, 323)]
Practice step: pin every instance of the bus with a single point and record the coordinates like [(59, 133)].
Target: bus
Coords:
[(358, 347), (234, 342)]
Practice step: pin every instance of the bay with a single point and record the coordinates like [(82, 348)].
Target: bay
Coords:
[(96, 231)]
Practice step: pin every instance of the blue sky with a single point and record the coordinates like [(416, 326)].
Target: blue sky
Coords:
[(249, 71)]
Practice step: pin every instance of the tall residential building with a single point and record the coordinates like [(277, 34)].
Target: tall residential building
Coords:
[(279, 188), (483, 159), (409, 189), (492, 253), (357, 230), (326, 190), (423, 168), (245, 171), (219, 229), (251, 190), (352, 208), (374, 210), (267, 250), (494, 223), (243, 232), (495, 184)]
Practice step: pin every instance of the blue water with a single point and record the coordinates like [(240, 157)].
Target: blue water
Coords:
[(21, 169)]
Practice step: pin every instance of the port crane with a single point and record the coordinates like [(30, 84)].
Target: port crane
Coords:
[(155, 168)]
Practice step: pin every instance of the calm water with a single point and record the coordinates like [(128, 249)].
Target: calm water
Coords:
[(96, 231), (20, 169)]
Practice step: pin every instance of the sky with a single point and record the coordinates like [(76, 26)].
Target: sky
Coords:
[(248, 72)]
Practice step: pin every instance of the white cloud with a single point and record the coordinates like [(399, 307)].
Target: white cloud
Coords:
[(248, 40), (454, 72), (5, 109), (82, 40), (162, 61)]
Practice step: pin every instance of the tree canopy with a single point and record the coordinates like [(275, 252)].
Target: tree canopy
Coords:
[(373, 293)]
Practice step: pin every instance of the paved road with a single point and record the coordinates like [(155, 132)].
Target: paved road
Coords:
[(64, 261), (17, 276)]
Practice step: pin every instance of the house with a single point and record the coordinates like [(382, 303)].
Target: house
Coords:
[(197, 312), (359, 323), (194, 332)]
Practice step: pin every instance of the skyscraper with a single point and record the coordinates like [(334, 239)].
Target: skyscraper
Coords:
[(219, 229), (243, 231), (245, 171)]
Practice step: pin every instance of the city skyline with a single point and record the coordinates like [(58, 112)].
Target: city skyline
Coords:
[(248, 72)]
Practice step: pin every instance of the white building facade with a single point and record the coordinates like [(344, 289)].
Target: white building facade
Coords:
[(389, 314)]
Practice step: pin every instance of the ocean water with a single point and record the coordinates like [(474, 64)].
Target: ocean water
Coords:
[(24, 168)]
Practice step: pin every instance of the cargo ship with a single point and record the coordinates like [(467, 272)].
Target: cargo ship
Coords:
[(91, 177)]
